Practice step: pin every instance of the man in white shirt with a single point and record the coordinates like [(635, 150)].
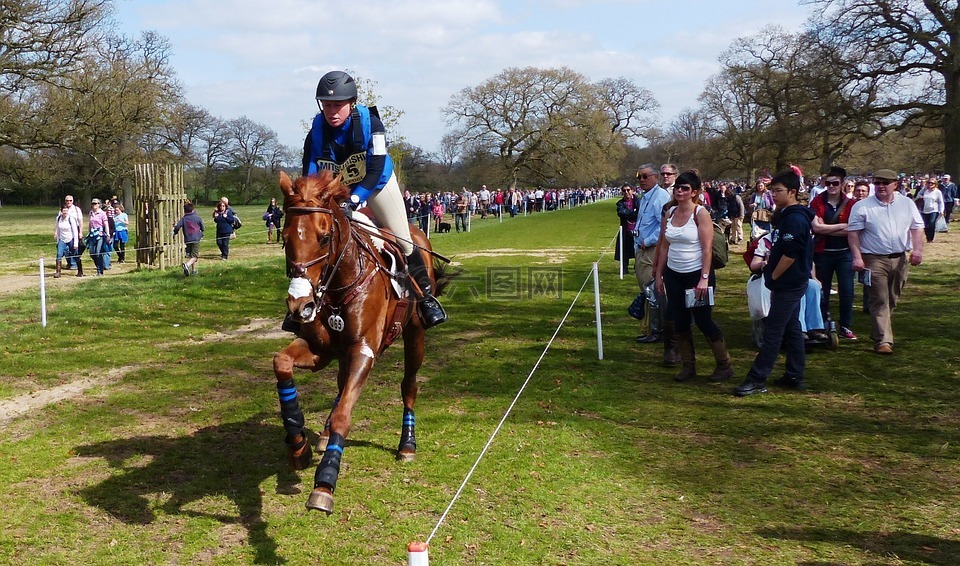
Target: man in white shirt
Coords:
[(883, 229)]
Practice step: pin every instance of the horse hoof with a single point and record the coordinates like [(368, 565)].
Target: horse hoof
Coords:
[(300, 459), (300, 454), (406, 454), (320, 500), (322, 442)]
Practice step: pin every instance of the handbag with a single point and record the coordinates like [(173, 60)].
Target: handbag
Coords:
[(758, 297), (941, 224), (762, 215)]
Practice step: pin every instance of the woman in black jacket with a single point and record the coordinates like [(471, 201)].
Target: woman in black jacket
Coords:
[(627, 209)]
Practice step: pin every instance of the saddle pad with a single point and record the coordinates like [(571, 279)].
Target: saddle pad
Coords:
[(374, 230)]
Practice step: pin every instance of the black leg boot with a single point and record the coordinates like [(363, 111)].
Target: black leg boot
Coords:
[(431, 311)]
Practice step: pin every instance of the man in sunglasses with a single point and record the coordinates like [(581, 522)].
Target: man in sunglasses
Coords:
[(652, 197), (885, 232), (831, 252)]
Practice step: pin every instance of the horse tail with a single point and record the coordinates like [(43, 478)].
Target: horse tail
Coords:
[(443, 274)]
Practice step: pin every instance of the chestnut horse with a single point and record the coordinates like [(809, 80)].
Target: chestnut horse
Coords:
[(342, 294)]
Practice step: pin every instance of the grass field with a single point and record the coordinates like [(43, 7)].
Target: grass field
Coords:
[(174, 453)]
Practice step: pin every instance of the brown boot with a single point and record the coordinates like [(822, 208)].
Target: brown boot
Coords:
[(688, 359), (724, 369), (59, 268), (671, 356), (79, 267)]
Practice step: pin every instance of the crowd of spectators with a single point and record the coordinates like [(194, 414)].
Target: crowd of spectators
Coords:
[(464, 204), (846, 237)]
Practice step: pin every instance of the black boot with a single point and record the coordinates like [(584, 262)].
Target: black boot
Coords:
[(431, 311)]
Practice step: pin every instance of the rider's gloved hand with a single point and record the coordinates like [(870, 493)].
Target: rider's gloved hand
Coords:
[(348, 206)]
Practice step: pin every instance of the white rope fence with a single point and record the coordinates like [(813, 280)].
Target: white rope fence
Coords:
[(418, 552)]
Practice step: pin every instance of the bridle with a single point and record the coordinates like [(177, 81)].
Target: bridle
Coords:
[(322, 286)]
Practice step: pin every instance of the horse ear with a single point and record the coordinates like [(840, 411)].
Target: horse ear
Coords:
[(286, 184)]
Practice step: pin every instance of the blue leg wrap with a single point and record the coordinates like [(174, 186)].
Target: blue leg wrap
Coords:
[(290, 411), (407, 434), (329, 469)]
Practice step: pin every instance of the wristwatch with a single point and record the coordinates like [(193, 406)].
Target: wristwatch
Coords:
[(705, 276)]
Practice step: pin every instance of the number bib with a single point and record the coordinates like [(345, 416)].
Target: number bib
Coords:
[(354, 169)]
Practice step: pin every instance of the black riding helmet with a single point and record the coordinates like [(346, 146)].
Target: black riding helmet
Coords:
[(336, 85)]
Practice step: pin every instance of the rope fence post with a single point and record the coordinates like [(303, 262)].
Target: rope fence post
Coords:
[(596, 306), (623, 253), (43, 296)]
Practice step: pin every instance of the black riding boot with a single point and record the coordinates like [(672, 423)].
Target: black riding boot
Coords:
[(431, 311)]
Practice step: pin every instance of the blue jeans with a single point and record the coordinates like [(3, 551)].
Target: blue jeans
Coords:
[(65, 250), (223, 242), (810, 317), (96, 252), (930, 224), (841, 264), (782, 326)]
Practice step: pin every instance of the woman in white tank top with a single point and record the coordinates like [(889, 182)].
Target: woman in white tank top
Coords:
[(684, 257)]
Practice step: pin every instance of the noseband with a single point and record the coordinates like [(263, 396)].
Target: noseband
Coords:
[(300, 269)]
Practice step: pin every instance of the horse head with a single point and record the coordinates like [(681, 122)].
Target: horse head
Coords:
[(314, 233)]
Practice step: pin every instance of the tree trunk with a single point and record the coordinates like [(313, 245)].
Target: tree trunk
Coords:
[(951, 124)]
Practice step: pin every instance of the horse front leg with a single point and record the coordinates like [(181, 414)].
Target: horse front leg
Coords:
[(297, 354), (357, 365), (412, 360)]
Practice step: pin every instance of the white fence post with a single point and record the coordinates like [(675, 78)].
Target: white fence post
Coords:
[(596, 306)]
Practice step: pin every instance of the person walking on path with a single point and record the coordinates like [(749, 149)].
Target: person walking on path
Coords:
[(192, 226), (886, 237)]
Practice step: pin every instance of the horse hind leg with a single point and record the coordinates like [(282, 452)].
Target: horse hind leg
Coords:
[(407, 450)]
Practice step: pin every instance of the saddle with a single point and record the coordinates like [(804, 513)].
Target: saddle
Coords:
[(389, 254)]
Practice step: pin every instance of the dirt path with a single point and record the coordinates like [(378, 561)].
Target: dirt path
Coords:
[(260, 329)]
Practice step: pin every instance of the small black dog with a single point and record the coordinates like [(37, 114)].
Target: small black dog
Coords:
[(444, 227)]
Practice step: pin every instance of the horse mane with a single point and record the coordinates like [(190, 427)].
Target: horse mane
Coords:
[(313, 190)]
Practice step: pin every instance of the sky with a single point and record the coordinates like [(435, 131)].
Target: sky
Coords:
[(262, 59)]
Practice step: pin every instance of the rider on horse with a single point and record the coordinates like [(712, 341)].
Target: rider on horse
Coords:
[(349, 139)]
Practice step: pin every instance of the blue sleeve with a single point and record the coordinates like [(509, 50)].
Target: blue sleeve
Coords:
[(375, 163), (308, 163)]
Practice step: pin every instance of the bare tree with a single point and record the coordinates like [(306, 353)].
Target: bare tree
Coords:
[(909, 51), (632, 109), (544, 125), (250, 147), (42, 42), (102, 112)]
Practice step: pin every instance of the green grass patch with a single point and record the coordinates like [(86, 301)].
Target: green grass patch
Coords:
[(179, 457)]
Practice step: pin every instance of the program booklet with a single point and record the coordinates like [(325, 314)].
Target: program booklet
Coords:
[(693, 302)]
